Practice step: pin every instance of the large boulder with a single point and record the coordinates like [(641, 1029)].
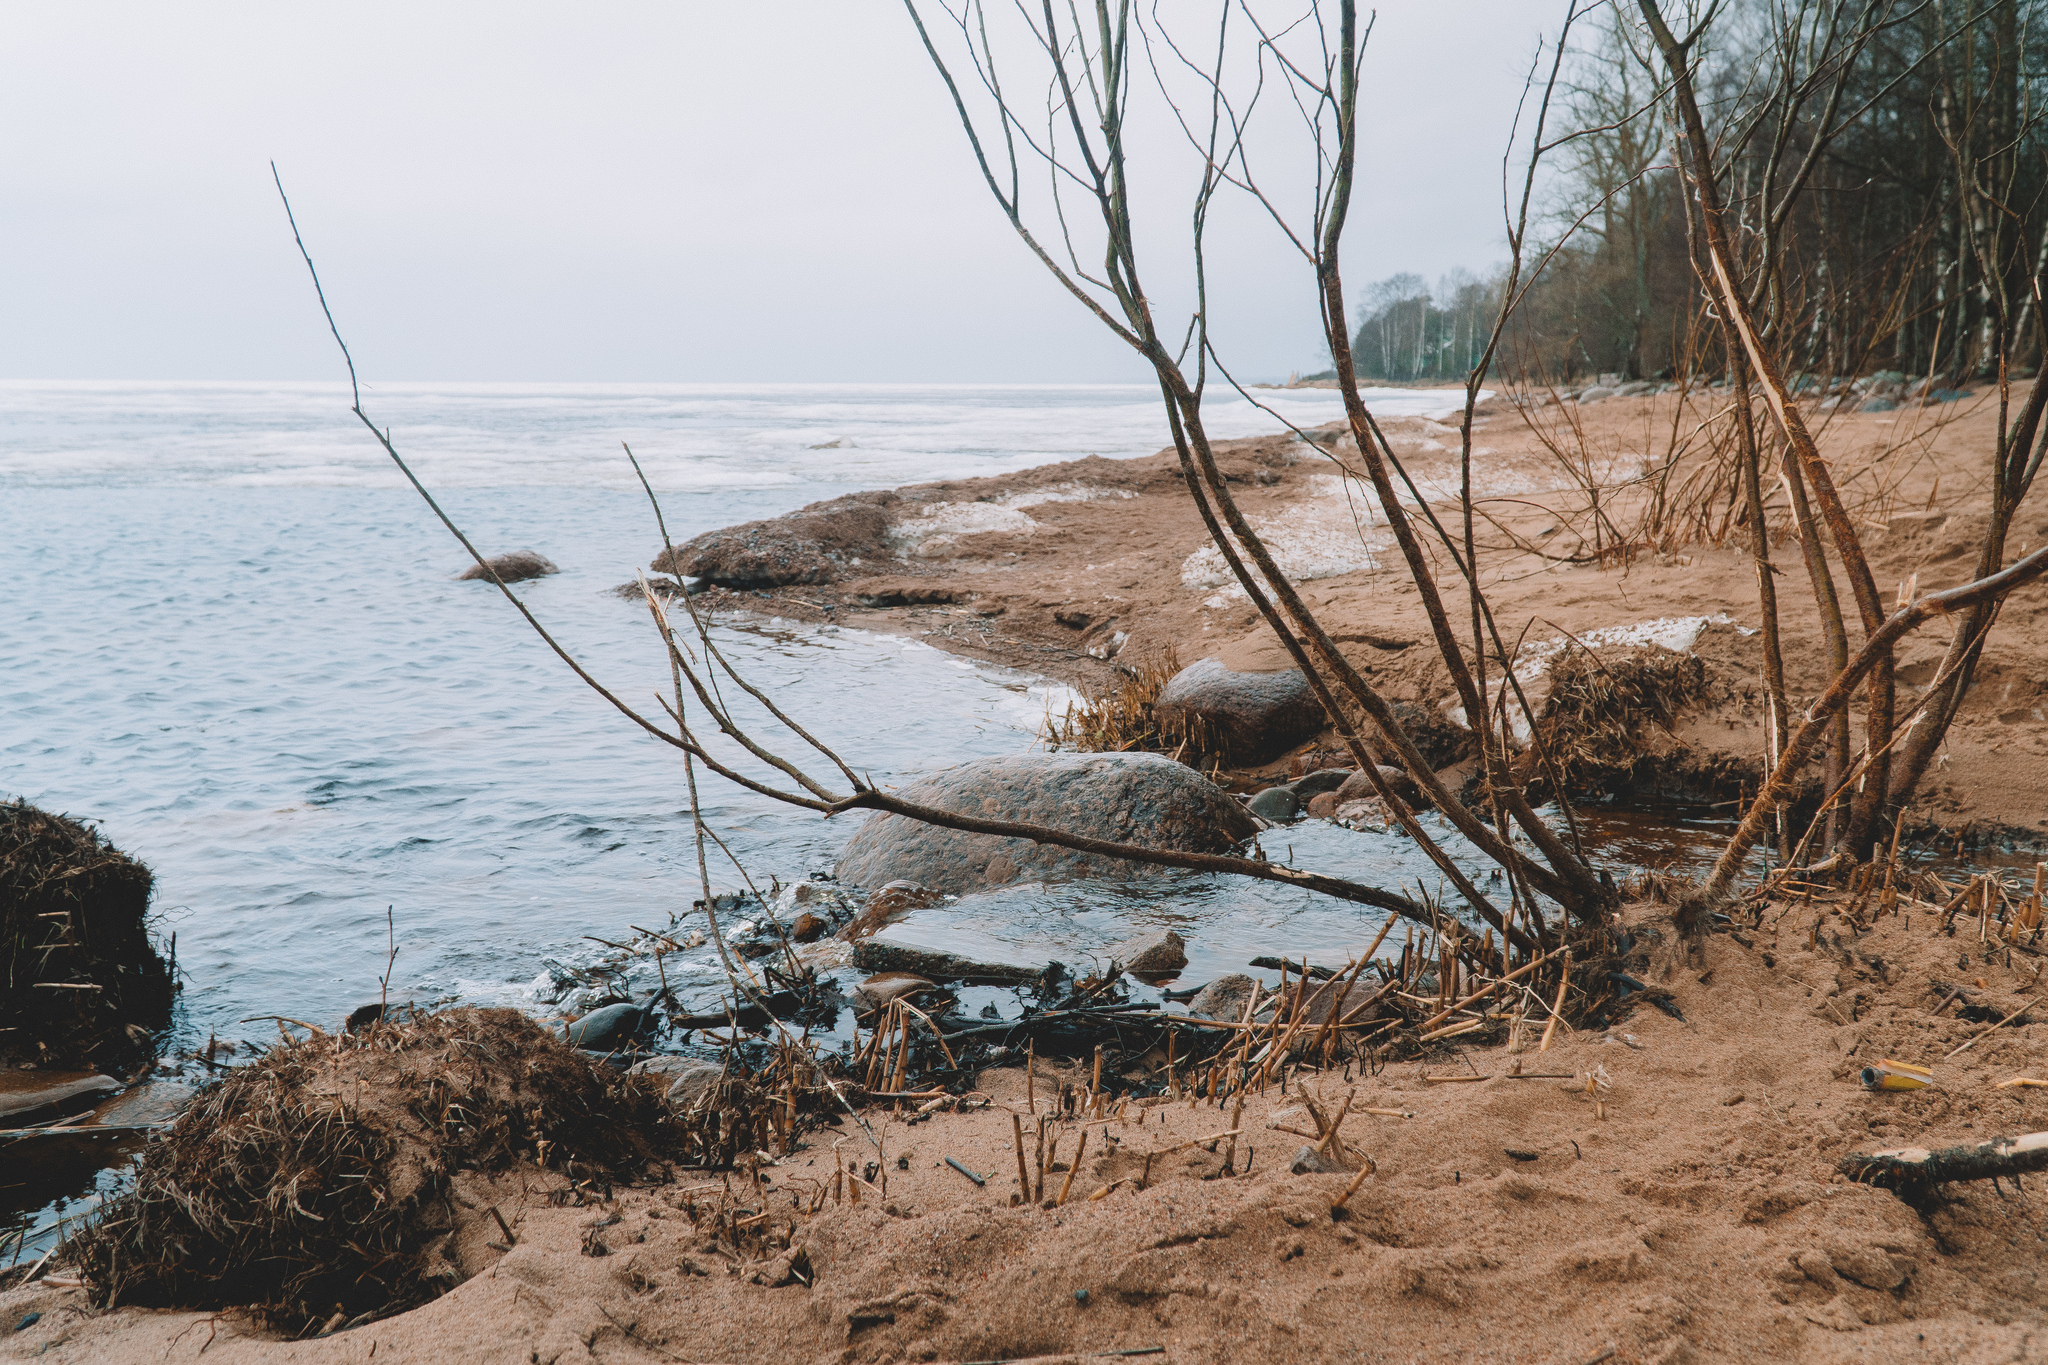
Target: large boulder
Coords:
[(1143, 799), (1245, 717), (813, 544)]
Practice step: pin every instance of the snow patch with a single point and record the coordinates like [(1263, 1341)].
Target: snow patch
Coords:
[(944, 523), (1071, 491)]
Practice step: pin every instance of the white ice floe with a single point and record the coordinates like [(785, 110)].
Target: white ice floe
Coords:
[(943, 523), (1533, 660)]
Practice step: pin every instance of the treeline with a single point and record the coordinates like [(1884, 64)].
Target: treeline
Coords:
[(1885, 162)]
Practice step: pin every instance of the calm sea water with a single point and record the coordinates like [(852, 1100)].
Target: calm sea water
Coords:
[(234, 640)]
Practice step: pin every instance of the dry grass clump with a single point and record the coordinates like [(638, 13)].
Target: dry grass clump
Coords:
[(1592, 727), (74, 943), (315, 1179), (1123, 719)]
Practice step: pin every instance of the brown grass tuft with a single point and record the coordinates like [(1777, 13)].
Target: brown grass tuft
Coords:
[(317, 1176), (75, 947), (1123, 719)]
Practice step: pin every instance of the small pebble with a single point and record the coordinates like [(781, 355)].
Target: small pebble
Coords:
[(1081, 1297), (32, 1319)]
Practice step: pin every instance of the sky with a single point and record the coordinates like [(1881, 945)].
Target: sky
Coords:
[(634, 191)]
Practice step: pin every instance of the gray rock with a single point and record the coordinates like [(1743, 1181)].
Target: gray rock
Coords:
[(1160, 952), (1224, 998), (1877, 405), (512, 568), (14, 1103), (813, 544), (1246, 717), (1310, 1161), (1143, 799), (667, 589), (1359, 787), (1634, 388), (690, 1078), (1595, 394), (878, 990), (614, 1026), (1275, 803), (1318, 782), (882, 955)]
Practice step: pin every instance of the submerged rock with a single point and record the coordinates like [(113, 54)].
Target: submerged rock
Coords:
[(880, 955), (1246, 717), (48, 1092), (1143, 799), (813, 544), (515, 567), (1160, 952)]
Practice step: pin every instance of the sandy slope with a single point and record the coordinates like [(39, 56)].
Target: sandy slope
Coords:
[(1700, 1220), (1115, 547)]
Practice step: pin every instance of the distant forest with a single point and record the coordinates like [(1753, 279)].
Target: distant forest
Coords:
[(1887, 191)]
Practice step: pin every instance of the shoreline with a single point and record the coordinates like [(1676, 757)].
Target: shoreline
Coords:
[(1083, 571), (1688, 1208)]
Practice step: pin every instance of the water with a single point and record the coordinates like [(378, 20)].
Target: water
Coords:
[(235, 641)]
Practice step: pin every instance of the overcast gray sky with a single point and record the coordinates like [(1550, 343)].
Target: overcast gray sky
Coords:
[(620, 191)]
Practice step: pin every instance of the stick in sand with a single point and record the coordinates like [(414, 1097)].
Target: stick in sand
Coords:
[(1363, 1171), (1067, 1185), (1038, 1190), (1023, 1178), (1564, 981), (1992, 1029)]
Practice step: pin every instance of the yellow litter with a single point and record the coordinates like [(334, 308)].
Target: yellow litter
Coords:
[(1891, 1075)]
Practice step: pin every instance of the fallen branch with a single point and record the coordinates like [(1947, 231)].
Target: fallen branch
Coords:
[(1914, 1170)]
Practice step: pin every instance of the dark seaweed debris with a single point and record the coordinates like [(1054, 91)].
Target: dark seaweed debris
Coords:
[(80, 966), (318, 1175)]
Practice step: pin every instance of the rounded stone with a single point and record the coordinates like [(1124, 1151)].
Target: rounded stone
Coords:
[(1245, 717), (1275, 803), (1143, 799)]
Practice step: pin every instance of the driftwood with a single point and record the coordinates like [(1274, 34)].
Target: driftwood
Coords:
[(1915, 1170)]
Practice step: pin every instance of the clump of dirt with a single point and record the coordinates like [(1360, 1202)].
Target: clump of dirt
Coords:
[(75, 944), (315, 1181), (1601, 703)]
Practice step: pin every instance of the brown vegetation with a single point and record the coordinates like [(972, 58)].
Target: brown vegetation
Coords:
[(316, 1180), (81, 970)]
